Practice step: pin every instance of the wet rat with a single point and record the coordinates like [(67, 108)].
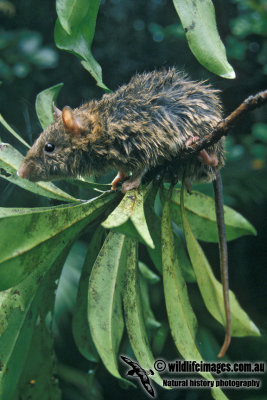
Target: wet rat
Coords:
[(142, 125), (139, 126)]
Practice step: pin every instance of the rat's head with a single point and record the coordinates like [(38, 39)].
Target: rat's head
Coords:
[(58, 151)]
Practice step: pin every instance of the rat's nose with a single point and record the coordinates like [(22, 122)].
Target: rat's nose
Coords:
[(22, 171)]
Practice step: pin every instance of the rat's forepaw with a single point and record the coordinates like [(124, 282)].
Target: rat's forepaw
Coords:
[(121, 176), (191, 140)]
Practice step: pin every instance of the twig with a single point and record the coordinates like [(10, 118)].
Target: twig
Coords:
[(224, 125)]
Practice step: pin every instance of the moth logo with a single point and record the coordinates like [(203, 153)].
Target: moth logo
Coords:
[(138, 372)]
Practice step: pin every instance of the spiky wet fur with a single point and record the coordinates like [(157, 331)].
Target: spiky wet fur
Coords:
[(139, 126)]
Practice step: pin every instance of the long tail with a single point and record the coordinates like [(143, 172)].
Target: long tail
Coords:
[(218, 195)]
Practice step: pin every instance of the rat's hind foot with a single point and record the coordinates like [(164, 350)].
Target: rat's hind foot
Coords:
[(203, 155), (207, 159), (120, 177), (132, 183)]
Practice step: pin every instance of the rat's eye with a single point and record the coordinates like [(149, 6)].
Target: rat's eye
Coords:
[(49, 147)]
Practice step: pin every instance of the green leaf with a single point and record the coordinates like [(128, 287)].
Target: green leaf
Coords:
[(10, 161), (82, 32), (40, 367), (160, 337), (154, 222), (149, 317), (129, 218), (39, 236), (208, 345), (199, 23), (19, 309), (184, 262), (17, 136), (92, 66), (78, 378), (79, 40), (149, 275), (80, 324), (200, 210), (84, 183), (181, 317), (134, 317), (71, 12), (43, 104), (77, 43), (211, 289), (105, 304)]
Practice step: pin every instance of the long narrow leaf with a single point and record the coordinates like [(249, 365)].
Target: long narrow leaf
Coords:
[(148, 274), (18, 313), (181, 317), (11, 130), (149, 317), (153, 222), (211, 289), (86, 184), (154, 225), (185, 263), (39, 236), (80, 323), (134, 315), (105, 302), (160, 337), (200, 210)]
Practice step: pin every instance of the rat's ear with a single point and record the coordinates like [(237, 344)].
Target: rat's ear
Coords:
[(70, 122), (57, 111)]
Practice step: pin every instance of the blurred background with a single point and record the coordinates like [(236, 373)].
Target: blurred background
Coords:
[(134, 36)]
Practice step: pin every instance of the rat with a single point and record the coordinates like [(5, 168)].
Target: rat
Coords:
[(142, 125)]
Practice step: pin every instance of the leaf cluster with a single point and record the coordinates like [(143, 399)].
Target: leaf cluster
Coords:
[(113, 291)]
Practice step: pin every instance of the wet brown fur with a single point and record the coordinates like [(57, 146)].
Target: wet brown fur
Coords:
[(139, 126)]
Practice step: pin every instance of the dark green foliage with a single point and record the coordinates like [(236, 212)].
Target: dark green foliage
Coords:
[(21, 52)]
